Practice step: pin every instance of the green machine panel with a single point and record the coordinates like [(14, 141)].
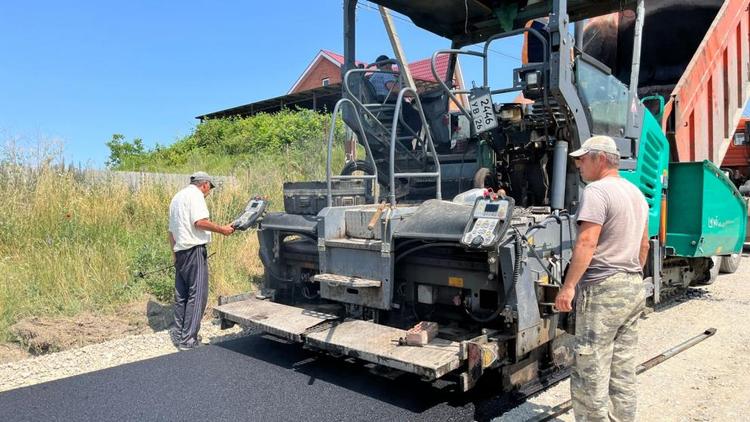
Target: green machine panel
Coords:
[(706, 214), (651, 169)]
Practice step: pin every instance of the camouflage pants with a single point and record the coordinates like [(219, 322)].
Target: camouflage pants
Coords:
[(603, 383)]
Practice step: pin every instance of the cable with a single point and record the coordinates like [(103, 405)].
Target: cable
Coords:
[(142, 274), (466, 16), (534, 254), (370, 8)]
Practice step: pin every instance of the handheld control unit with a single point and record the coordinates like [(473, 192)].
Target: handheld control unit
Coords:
[(490, 218), (253, 211)]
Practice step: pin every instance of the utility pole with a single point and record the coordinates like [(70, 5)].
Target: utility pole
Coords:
[(390, 28)]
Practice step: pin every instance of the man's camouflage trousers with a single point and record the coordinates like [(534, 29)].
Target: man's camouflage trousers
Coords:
[(603, 384)]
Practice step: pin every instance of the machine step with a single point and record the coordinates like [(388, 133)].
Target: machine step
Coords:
[(354, 243), (346, 281), (284, 321), (380, 344)]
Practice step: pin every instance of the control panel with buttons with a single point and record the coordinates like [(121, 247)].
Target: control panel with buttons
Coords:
[(489, 221)]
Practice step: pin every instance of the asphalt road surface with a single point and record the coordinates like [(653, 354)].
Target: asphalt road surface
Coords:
[(251, 378)]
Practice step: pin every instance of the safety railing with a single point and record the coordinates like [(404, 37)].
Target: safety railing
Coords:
[(429, 144), (329, 158), (368, 107), (394, 138), (518, 82)]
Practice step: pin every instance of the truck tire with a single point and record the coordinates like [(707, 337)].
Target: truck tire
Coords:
[(361, 167), (713, 273), (710, 275), (730, 263)]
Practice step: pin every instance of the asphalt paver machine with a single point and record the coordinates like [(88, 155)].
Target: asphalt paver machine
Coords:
[(473, 230)]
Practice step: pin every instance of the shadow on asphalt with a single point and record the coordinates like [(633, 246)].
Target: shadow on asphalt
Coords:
[(405, 391)]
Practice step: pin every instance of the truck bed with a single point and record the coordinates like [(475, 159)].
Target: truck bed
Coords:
[(707, 102)]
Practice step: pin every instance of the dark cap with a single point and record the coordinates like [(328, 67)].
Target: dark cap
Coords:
[(202, 176), (381, 58)]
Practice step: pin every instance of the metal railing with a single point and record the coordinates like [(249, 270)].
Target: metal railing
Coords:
[(397, 117), (430, 145), (329, 176), (368, 107), (517, 84)]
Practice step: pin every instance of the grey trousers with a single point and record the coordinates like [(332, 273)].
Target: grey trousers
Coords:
[(190, 292)]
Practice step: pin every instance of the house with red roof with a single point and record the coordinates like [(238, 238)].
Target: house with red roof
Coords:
[(319, 86), (325, 70)]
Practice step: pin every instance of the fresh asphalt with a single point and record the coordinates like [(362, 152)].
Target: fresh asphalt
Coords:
[(253, 378)]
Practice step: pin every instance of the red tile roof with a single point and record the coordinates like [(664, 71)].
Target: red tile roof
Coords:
[(419, 69), (338, 57), (422, 69)]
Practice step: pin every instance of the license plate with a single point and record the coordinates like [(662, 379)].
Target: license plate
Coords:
[(483, 115)]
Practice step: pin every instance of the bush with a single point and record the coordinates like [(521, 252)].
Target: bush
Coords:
[(223, 145)]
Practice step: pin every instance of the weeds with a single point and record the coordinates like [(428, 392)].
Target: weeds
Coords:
[(69, 245)]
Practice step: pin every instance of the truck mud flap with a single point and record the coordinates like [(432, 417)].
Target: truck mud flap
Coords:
[(284, 321), (379, 344)]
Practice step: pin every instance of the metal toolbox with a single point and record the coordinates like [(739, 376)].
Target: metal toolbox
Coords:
[(308, 198)]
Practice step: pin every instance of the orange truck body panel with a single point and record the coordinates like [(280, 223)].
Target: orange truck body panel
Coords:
[(738, 156), (707, 102)]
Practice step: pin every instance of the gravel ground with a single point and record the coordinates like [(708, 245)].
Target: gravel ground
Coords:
[(710, 381)]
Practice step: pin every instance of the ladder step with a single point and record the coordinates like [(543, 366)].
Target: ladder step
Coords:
[(346, 281), (354, 243)]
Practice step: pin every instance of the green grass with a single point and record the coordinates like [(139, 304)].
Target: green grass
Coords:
[(67, 245)]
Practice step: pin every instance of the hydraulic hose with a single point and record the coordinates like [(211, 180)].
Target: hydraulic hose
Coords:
[(518, 249)]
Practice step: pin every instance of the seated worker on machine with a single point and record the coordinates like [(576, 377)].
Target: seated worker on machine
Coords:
[(386, 87)]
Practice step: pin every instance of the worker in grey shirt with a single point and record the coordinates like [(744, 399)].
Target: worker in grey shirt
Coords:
[(606, 272), (189, 232)]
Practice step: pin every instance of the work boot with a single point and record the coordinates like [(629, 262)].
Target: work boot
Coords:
[(186, 347)]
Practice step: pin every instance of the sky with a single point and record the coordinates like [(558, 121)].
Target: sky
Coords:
[(79, 72), (76, 73)]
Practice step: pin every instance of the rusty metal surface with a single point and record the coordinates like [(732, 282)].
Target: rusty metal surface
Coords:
[(335, 280), (288, 322), (709, 99), (379, 344)]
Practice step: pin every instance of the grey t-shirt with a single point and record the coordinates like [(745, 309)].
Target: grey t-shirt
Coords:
[(620, 208)]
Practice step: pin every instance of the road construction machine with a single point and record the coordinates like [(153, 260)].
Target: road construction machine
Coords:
[(441, 252)]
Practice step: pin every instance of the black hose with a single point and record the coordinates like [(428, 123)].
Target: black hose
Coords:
[(516, 265), (306, 294), (518, 249), (403, 255)]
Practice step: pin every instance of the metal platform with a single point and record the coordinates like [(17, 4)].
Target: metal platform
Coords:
[(335, 280), (364, 340), (379, 344), (288, 322)]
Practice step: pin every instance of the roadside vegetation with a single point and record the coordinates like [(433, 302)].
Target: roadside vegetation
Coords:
[(69, 244)]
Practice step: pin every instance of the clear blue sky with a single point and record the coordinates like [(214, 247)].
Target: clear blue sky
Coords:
[(82, 71)]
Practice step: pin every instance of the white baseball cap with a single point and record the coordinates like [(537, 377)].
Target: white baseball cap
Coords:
[(202, 176), (596, 143)]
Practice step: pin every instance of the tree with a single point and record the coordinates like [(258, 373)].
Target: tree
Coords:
[(121, 150)]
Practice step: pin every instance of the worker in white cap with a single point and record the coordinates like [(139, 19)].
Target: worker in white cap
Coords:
[(189, 232), (605, 276)]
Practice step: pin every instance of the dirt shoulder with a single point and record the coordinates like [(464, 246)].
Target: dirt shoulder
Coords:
[(42, 335), (710, 381)]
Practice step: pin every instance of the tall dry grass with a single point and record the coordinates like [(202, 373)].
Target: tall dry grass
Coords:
[(68, 245)]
